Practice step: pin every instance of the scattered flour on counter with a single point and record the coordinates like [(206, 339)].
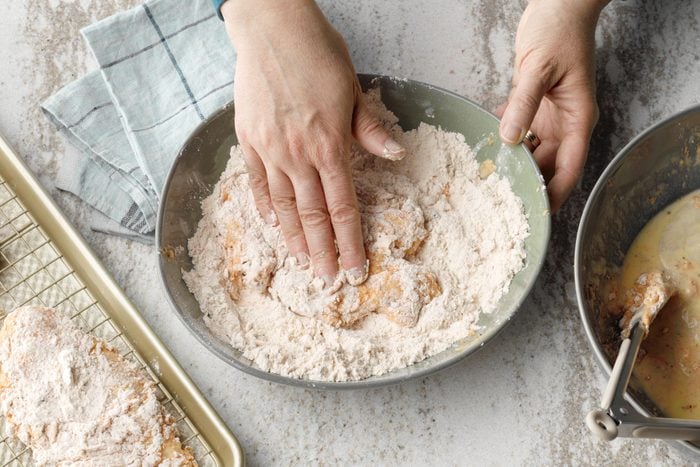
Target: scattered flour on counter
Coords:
[(443, 243)]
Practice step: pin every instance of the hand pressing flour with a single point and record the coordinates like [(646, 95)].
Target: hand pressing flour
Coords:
[(298, 108), (394, 228), (443, 245)]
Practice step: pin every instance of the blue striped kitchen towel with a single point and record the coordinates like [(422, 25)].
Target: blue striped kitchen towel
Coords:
[(164, 67)]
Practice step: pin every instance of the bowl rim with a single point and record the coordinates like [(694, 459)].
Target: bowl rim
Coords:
[(593, 198), (370, 382)]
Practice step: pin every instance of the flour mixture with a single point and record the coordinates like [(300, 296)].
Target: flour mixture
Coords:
[(443, 243)]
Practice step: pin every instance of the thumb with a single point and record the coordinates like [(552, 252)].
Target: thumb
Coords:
[(522, 107), (500, 109), (370, 133)]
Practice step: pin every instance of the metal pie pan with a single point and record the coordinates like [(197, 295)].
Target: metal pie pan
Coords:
[(203, 158)]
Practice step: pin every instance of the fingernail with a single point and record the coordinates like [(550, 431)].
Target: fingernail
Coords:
[(303, 260), (357, 276), (393, 150), (512, 134), (331, 283), (271, 218)]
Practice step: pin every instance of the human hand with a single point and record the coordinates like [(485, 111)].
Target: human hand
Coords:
[(553, 90), (298, 105)]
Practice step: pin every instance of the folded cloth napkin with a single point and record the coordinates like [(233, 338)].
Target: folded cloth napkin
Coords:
[(164, 67)]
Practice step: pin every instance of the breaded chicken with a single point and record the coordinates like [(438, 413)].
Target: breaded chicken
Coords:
[(75, 401)]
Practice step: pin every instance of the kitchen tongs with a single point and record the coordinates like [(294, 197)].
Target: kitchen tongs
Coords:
[(617, 417)]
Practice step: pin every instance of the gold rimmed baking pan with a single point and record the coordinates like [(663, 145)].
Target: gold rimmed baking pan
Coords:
[(45, 261)]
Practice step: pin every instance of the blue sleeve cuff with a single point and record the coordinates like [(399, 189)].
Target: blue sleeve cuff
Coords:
[(217, 6)]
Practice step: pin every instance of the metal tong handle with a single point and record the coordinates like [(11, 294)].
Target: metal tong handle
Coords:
[(603, 423), (599, 421)]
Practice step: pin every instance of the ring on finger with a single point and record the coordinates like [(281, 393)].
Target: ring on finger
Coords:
[(532, 139)]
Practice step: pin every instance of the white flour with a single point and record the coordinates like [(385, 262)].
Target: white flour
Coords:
[(75, 401), (444, 245)]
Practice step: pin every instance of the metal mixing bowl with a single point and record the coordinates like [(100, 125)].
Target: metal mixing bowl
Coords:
[(656, 168), (203, 158)]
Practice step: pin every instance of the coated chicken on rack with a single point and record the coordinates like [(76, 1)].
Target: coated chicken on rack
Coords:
[(76, 401)]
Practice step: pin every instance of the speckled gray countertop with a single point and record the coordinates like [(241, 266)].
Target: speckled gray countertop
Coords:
[(522, 399)]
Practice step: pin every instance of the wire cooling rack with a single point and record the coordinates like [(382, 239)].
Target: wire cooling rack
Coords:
[(34, 272)]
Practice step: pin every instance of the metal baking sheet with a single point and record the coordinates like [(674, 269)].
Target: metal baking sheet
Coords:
[(45, 261)]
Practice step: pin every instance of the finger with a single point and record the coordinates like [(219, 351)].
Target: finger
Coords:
[(545, 156), (522, 107), (316, 223), (500, 109), (570, 160), (285, 205), (345, 217), (257, 178), (370, 133)]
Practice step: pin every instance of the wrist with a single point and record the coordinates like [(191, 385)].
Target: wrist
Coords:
[(256, 25), (244, 17)]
